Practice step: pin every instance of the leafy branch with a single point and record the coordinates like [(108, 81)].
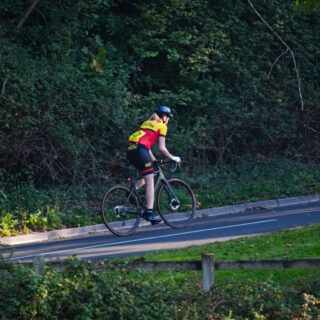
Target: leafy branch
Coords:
[(25, 17), (4, 86), (287, 47)]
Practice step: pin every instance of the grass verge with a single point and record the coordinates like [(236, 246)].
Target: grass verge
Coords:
[(251, 294)]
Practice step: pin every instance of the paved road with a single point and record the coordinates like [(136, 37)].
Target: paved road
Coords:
[(201, 231)]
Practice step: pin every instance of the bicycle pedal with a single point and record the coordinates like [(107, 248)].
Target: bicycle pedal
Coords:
[(154, 222)]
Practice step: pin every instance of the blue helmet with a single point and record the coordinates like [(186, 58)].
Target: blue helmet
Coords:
[(161, 110)]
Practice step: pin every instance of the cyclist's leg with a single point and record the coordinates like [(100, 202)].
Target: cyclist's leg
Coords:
[(150, 199), (140, 157), (140, 183), (149, 181)]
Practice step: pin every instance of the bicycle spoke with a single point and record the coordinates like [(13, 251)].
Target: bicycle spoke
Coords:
[(120, 214)]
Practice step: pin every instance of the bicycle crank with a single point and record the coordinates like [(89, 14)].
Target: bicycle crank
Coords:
[(119, 211)]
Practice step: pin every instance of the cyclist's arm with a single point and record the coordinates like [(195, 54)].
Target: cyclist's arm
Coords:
[(163, 149)]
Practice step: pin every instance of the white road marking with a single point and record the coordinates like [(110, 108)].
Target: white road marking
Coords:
[(144, 239)]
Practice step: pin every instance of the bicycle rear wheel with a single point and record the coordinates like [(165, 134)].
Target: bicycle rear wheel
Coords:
[(120, 214), (176, 204)]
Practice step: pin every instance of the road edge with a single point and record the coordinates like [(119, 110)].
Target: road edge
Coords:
[(100, 228)]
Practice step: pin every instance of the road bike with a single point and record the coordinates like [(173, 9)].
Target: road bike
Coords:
[(122, 207)]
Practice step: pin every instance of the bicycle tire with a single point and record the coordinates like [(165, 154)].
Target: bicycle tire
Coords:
[(176, 215), (120, 214)]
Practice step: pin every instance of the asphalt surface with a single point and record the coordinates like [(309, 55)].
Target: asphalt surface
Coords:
[(149, 238)]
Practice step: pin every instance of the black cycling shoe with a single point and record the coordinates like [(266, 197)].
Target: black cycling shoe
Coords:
[(148, 215)]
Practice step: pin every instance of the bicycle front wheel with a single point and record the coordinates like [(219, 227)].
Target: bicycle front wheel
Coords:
[(120, 214), (176, 203)]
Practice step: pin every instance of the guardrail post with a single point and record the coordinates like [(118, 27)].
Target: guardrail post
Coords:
[(207, 271), (38, 264)]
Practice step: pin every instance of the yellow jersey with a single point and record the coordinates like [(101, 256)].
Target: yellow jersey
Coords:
[(148, 133)]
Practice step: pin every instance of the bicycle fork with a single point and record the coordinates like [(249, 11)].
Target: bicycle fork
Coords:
[(174, 201)]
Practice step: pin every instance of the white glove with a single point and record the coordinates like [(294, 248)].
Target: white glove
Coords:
[(176, 159)]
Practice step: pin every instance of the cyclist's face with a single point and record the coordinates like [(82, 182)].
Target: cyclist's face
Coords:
[(165, 119)]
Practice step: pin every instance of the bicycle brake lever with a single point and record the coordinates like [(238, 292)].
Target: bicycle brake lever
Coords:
[(174, 166)]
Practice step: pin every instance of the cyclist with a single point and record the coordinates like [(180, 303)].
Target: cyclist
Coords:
[(140, 155)]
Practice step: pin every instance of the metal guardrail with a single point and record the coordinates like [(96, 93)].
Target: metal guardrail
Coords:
[(207, 265)]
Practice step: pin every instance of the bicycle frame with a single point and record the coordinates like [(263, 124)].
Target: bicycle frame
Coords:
[(160, 179), (123, 207)]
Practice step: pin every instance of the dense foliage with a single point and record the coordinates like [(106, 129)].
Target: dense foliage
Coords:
[(307, 5), (79, 291), (78, 77)]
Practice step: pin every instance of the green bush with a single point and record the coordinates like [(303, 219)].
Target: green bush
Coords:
[(76, 80), (27, 208), (79, 291), (249, 180)]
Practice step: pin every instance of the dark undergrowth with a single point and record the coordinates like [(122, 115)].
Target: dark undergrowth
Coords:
[(25, 208)]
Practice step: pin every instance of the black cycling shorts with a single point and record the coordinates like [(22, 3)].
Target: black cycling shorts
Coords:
[(139, 156)]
